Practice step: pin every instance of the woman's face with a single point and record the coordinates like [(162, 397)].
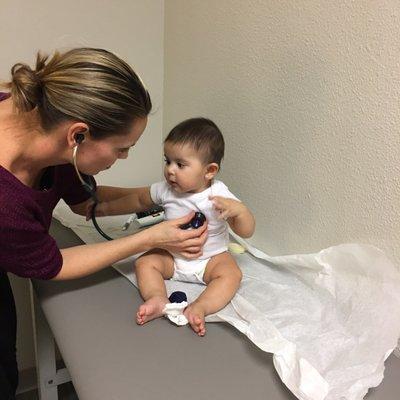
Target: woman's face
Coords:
[(94, 156)]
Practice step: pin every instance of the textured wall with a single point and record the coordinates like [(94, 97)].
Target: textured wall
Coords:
[(307, 96)]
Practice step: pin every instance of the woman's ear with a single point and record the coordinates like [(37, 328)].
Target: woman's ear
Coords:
[(211, 170), (77, 132)]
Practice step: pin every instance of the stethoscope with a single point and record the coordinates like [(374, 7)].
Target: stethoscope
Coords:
[(90, 186), (197, 221)]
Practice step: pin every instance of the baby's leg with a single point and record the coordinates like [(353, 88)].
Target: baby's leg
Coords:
[(222, 276), (151, 270)]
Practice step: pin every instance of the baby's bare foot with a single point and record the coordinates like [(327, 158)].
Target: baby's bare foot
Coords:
[(151, 309), (195, 315)]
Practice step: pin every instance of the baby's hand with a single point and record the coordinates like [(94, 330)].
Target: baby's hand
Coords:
[(101, 210), (228, 208)]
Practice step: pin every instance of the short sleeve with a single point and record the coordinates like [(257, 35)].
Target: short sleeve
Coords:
[(158, 191), (69, 185), (220, 189), (26, 248)]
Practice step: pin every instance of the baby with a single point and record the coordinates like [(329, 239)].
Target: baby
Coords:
[(193, 153)]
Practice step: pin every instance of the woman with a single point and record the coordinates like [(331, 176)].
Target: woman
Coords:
[(88, 97)]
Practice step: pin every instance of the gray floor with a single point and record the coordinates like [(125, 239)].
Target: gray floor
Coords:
[(65, 392), (389, 389)]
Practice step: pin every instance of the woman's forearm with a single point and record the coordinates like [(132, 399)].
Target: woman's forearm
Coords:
[(80, 261), (123, 205), (108, 193), (138, 199), (83, 260)]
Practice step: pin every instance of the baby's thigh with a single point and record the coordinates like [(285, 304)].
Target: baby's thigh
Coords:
[(157, 259), (222, 265)]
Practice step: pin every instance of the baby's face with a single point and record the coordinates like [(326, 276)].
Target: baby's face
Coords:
[(184, 170)]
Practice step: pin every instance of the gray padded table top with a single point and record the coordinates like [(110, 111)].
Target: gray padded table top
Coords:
[(110, 357)]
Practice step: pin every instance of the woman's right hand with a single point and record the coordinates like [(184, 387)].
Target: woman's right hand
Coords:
[(169, 236)]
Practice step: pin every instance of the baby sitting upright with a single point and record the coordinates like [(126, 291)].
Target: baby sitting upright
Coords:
[(193, 153)]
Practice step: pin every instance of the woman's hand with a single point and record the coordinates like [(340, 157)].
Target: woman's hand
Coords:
[(169, 236)]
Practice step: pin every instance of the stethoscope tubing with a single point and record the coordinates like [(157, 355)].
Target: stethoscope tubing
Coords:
[(91, 189), (96, 225)]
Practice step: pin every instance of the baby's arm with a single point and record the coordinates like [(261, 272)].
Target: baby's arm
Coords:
[(138, 199), (238, 216)]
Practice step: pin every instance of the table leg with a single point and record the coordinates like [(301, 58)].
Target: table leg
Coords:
[(45, 353)]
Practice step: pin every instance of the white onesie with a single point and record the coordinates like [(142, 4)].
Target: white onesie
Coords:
[(177, 205)]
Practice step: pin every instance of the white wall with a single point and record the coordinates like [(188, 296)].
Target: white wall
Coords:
[(134, 30), (307, 96)]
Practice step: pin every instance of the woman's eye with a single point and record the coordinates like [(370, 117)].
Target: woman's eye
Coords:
[(125, 149)]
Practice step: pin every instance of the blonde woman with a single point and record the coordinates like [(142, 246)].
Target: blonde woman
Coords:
[(87, 96)]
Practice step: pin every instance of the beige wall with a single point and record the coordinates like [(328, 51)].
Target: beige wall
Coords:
[(132, 29), (307, 96)]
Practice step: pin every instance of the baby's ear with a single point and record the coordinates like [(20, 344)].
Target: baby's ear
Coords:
[(211, 170)]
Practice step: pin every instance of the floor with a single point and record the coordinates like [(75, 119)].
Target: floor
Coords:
[(387, 390), (65, 392)]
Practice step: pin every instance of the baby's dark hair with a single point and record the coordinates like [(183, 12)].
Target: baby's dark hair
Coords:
[(203, 135)]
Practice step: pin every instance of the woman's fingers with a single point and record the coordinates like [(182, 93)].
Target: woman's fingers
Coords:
[(192, 243), (184, 220), (194, 237), (204, 235), (188, 243), (193, 249), (191, 256), (194, 233)]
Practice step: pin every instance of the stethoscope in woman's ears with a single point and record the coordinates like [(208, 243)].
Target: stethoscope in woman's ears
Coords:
[(89, 185)]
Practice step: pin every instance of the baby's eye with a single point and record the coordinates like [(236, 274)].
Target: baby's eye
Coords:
[(167, 161), (180, 165)]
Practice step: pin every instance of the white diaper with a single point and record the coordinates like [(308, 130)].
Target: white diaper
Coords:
[(189, 270)]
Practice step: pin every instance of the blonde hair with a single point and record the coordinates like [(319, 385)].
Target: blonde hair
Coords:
[(88, 85)]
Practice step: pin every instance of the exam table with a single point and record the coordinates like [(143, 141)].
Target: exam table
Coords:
[(109, 357)]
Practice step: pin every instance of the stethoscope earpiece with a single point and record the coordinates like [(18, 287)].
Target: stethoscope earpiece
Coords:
[(79, 138)]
